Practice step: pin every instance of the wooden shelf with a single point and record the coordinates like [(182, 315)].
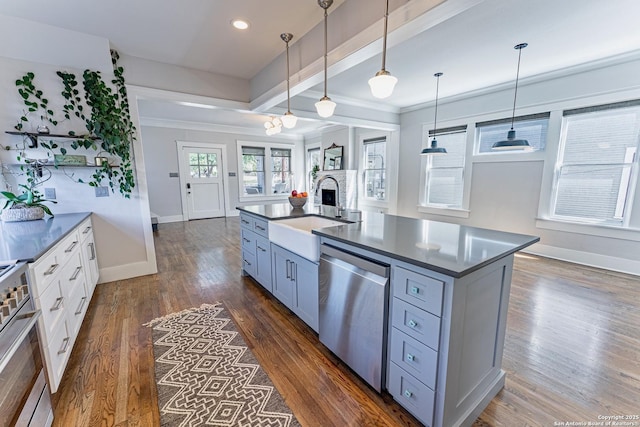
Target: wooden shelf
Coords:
[(33, 136)]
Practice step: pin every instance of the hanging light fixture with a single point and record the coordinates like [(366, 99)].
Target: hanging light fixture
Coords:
[(512, 143), (433, 148), (273, 126), (383, 82), (288, 120), (325, 106)]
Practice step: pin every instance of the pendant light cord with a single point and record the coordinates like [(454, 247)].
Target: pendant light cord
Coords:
[(288, 94), (435, 116), (325, 52), (384, 39), (515, 95)]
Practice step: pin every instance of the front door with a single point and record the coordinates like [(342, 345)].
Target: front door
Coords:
[(202, 177)]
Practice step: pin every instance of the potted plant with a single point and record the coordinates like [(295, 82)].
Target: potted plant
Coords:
[(24, 207)]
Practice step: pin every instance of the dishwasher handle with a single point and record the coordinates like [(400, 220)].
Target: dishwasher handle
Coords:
[(363, 263)]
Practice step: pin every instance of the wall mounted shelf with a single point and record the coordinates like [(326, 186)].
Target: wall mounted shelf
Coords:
[(33, 136)]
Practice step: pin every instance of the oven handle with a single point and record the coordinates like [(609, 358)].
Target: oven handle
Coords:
[(34, 315)]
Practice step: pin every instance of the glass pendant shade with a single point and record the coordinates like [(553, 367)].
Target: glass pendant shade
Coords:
[(382, 84), (289, 120), (512, 143), (325, 107)]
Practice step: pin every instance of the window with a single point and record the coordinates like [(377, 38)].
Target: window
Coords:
[(596, 165), (374, 172), (313, 163), (445, 173), (533, 128), (266, 169), (203, 165), (280, 170)]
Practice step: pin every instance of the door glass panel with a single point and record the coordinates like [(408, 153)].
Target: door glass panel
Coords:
[(203, 165)]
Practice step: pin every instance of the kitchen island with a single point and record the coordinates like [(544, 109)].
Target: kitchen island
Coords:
[(446, 310)]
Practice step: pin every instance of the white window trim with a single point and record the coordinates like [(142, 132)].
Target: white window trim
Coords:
[(463, 211), (267, 167), (307, 170), (544, 220), (391, 171)]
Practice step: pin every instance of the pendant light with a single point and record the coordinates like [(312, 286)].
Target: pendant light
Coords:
[(383, 82), (512, 143), (434, 149), (325, 106), (288, 120)]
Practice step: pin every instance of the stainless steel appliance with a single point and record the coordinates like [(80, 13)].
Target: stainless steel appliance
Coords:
[(24, 396), (354, 295)]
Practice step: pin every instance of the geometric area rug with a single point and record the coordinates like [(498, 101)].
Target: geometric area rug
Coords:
[(206, 375)]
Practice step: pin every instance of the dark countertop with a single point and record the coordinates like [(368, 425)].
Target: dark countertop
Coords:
[(29, 240), (451, 249)]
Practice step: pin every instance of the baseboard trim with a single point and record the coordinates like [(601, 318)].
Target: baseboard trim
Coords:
[(127, 271), (170, 218), (606, 262)]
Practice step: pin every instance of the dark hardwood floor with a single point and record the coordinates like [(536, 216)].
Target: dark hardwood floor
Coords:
[(572, 351)]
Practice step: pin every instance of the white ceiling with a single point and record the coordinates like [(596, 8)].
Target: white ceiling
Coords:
[(473, 49)]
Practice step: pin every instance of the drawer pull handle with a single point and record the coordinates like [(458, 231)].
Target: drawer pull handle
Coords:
[(415, 290), (51, 269), (75, 273), (260, 228), (244, 221), (288, 274), (262, 249), (70, 248), (86, 230), (410, 357), (82, 301), (65, 346), (413, 323), (246, 240), (408, 394), (247, 262), (58, 304), (93, 251)]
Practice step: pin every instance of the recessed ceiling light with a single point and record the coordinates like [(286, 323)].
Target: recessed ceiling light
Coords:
[(240, 24)]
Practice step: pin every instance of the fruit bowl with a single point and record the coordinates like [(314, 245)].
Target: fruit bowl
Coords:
[(297, 202)]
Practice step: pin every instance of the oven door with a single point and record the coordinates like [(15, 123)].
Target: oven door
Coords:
[(21, 373)]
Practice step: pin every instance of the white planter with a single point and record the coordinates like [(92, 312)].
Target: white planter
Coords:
[(22, 213)]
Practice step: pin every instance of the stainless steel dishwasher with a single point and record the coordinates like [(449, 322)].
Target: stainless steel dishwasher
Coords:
[(354, 295)]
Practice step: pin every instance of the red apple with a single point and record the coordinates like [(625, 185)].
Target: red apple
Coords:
[(294, 193)]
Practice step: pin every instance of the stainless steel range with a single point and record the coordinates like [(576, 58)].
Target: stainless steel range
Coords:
[(24, 395)]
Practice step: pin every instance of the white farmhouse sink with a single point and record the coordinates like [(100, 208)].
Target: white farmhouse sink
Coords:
[(295, 235)]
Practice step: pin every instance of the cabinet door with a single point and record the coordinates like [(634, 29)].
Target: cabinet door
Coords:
[(263, 263), (283, 284), (306, 299)]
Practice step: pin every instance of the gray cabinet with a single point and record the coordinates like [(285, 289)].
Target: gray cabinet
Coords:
[(295, 284), (256, 249)]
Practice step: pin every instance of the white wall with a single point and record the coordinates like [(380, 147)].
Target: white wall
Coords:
[(161, 158), (122, 226), (505, 195)]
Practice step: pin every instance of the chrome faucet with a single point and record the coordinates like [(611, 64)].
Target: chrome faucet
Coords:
[(319, 184)]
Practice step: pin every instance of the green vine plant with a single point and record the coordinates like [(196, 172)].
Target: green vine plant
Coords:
[(104, 111)]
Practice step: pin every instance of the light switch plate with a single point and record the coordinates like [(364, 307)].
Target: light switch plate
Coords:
[(50, 193), (102, 191)]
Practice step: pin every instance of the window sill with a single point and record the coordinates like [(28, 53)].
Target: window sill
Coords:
[(613, 232), (454, 212)]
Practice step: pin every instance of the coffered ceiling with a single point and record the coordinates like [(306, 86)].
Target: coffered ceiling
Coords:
[(474, 48)]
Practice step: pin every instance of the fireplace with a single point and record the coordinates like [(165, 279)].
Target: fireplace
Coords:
[(328, 197)]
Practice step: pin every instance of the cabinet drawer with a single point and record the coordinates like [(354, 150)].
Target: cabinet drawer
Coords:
[(85, 229), (414, 396), (52, 304), (414, 357), (46, 268), (57, 352), (423, 326), (246, 221), (422, 291), (261, 227), (248, 241), (249, 263)]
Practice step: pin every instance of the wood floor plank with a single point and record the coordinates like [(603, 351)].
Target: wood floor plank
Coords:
[(572, 349)]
